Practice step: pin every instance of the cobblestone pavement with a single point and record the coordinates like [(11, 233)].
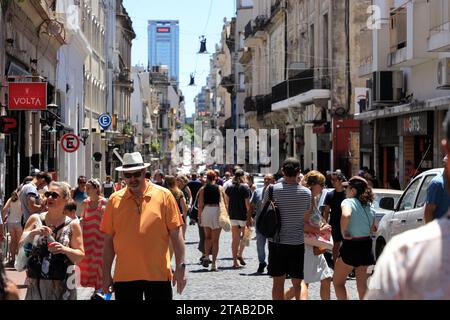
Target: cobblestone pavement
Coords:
[(229, 284)]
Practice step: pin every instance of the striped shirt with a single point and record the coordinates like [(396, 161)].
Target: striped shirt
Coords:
[(293, 201)]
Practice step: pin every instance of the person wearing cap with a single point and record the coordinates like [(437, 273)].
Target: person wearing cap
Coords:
[(414, 265), (139, 221), (438, 196), (333, 210), (357, 224)]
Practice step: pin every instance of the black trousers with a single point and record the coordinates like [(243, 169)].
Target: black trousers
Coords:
[(201, 235), (136, 290)]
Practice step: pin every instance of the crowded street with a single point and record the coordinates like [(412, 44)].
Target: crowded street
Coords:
[(233, 150)]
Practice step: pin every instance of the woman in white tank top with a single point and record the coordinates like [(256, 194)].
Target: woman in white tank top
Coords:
[(14, 224)]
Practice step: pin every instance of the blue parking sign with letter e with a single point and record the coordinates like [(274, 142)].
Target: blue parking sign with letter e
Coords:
[(105, 121)]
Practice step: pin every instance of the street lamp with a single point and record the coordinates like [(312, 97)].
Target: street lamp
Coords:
[(84, 135)]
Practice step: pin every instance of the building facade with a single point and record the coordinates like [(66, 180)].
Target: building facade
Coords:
[(31, 38), (164, 46), (404, 69)]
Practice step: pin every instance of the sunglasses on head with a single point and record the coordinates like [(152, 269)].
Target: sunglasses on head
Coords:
[(129, 175), (49, 194)]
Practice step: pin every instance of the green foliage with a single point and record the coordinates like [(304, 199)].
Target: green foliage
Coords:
[(155, 147), (127, 129)]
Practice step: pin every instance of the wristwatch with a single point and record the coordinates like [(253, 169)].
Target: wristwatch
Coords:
[(182, 266)]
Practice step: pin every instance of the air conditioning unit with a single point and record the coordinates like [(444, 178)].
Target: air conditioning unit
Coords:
[(443, 73), (387, 87)]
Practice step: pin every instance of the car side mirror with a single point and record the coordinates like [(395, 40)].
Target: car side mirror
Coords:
[(387, 203)]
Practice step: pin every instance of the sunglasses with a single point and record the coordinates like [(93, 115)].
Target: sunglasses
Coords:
[(54, 195), (129, 175)]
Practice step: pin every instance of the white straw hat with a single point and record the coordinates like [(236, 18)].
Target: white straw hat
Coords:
[(132, 162)]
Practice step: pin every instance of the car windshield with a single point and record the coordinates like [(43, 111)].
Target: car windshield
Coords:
[(379, 196)]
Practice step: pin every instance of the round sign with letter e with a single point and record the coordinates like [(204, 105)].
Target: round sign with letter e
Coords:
[(70, 143), (105, 121)]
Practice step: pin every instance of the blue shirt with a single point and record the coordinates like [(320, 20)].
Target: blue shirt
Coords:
[(438, 196), (361, 219)]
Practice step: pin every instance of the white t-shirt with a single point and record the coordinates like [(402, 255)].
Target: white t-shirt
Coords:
[(227, 184), (414, 265)]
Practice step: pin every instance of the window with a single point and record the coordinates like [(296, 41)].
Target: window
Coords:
[(421, 199), (407, 202), (241, 81)]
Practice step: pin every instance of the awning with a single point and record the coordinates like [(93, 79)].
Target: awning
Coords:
[(440, 103), (302, 99)]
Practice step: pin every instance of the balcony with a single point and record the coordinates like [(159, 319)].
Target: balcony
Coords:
[(302, 89), (228, 83), (249, 104), (296, 85), (398, 37), (263, 106), (248, 29), (439, 37), (275, 8)]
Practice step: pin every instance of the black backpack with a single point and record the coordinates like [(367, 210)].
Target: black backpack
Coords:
[(269, 220), (44, 265)]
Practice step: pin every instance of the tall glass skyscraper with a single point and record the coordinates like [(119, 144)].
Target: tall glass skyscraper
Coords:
[(164, 46)]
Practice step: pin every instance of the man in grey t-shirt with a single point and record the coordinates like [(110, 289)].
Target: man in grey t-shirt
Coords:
[(29, 195)]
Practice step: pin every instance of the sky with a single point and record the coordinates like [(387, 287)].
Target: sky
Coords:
[(197, 17)]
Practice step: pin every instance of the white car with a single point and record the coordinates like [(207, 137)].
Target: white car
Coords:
[(258, 180), (408, 213)]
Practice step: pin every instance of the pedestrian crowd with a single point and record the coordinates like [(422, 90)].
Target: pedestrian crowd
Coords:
[(59, 234)]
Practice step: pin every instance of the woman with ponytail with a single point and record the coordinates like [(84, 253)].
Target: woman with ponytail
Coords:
[(357, 223)]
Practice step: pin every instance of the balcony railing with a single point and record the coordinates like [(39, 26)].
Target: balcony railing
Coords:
[(249, 104), (263, 105), (275, 7), (398, 29), (301, 83), (439, 15), (248, 29)]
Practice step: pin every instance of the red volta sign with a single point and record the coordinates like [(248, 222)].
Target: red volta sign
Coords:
[(27, 96)]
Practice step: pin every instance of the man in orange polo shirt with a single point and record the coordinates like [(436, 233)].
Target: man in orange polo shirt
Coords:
[(139, 221)]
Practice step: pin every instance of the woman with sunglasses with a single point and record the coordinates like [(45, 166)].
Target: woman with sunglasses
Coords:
[(357, 223), (92, 213), (57, 235)]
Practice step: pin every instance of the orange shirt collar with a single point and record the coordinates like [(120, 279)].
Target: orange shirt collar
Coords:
[(147, 192)]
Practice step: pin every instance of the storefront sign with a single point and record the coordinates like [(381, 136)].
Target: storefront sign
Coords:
[(415, 124), (8, 125), (27, 96)]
